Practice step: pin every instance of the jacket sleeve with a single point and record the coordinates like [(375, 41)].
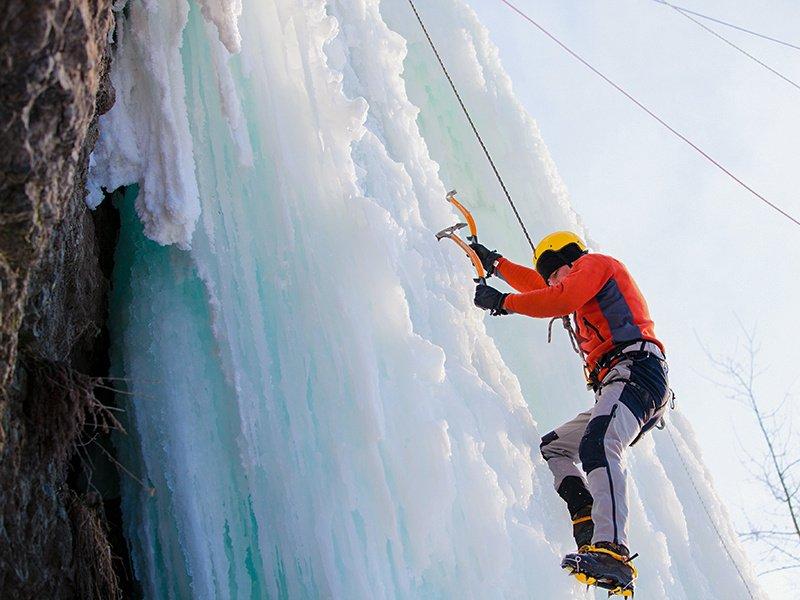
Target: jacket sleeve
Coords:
[(522, 279), (584, 281)]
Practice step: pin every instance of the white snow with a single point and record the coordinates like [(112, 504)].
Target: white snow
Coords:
[(320, 408), (224, 14), (145, 136)]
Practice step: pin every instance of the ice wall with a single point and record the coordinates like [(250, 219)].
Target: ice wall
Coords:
[(314, 400)]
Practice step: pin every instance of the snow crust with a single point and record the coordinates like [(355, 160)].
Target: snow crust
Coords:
[(320, 409), (224, 14), (145, 137)]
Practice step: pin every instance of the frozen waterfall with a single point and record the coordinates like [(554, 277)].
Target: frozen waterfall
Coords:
[(319, 408)]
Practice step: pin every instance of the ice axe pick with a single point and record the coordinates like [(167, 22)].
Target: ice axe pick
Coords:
[(452, 233), (473, 229)]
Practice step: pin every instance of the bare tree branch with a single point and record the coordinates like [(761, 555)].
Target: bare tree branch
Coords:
[(786, 568), (774, 472), (756, 533)]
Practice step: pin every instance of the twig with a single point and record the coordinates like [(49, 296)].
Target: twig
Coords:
[(151, 491)]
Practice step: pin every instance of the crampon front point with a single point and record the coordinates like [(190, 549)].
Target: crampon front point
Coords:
[(600, 567)]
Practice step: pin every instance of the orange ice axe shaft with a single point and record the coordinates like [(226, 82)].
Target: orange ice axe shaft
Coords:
[(473, 229), (451, 233)]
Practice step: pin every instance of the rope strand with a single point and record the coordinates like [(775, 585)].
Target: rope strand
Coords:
[(708, 513), (686, 14), (650, 112), (727, 24), (472, 124)]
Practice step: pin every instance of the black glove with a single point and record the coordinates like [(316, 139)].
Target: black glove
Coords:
[(488, 298), (487, 256)]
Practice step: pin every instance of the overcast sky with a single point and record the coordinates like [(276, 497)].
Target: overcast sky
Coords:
[(703, 250)]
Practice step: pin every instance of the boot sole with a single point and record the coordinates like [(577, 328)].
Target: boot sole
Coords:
[(614, 588)]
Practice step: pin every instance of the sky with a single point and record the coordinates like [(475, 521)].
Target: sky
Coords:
[(707, 254)]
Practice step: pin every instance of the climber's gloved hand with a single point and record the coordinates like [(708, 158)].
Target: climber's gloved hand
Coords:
[(488, 298), (487, 256)]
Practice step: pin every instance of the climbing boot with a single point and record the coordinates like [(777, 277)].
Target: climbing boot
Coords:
[(604, 565), (582, 526)]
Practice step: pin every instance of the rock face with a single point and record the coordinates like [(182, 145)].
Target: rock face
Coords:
[(54, 58)]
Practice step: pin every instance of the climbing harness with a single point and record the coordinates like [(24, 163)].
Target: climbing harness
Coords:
[(615, 355), (594, 381)]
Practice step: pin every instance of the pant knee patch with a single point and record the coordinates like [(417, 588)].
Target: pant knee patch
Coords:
[(574, 492), (591, 451), (547, 439)]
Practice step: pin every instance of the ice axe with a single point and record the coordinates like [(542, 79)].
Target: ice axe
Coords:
[(473, 229), (452, 233)]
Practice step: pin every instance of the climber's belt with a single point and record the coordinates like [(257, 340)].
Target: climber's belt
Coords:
[(635, 350)]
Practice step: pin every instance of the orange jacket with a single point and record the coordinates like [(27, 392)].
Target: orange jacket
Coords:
[(607, 306)]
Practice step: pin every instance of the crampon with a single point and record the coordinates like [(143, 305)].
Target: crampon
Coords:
[(602, 568)]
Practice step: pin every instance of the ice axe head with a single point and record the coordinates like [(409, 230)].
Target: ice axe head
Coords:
[(449, 231), (473, 229)]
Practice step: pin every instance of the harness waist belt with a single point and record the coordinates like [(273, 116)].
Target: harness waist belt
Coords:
[(638, 346), (613, 356)]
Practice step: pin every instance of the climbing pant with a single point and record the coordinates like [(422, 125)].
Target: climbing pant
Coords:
[(631, 399)]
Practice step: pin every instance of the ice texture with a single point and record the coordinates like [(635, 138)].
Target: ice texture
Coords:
[(316, 403), (145, 136)]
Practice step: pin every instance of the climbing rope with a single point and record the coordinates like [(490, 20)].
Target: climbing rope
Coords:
[(727, 24), (708, 513), (649, 112), (472, 124), (727, 41)]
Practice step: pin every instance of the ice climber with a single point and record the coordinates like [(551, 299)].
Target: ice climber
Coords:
[(626, 369)]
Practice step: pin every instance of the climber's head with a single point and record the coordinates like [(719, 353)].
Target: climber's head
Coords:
[(555, 254), (559, 275)]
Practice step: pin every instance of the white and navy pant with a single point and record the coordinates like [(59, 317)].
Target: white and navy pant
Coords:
[(631, 399)]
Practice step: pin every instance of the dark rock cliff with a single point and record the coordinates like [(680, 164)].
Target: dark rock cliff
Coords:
[(54, 273)]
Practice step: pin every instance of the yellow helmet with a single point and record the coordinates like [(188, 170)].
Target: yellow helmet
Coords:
[(557, 249)]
